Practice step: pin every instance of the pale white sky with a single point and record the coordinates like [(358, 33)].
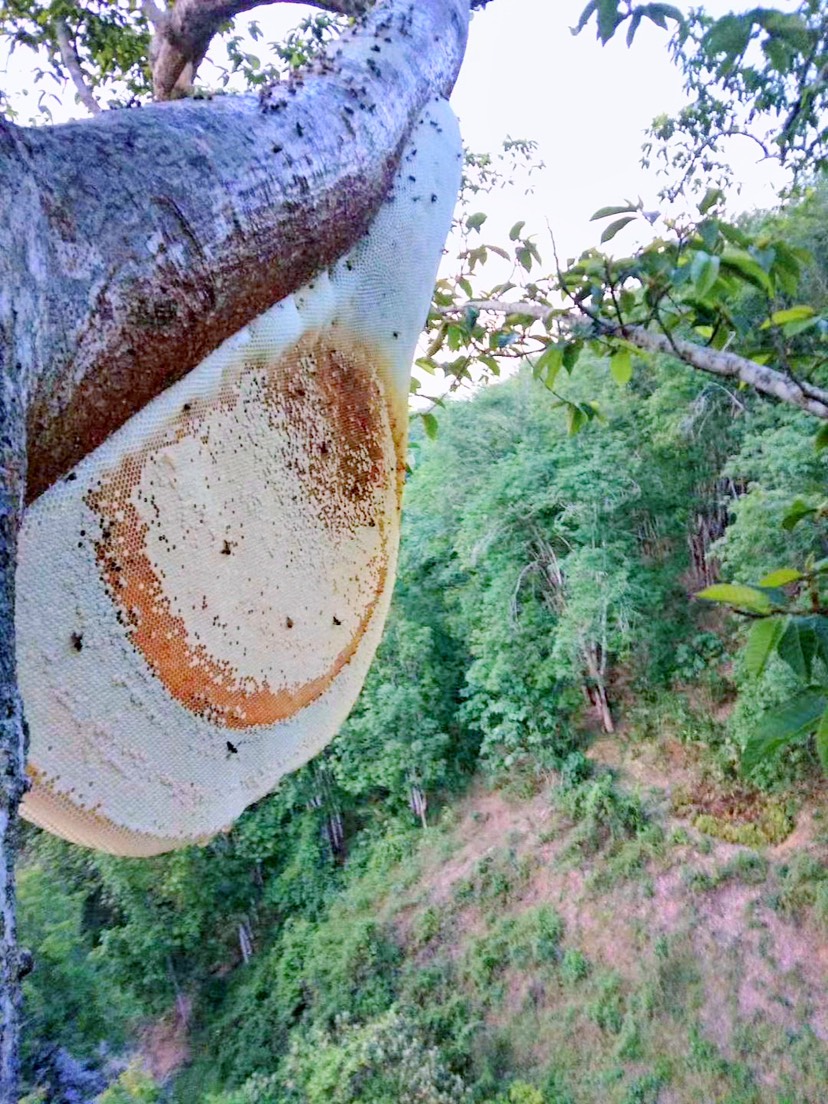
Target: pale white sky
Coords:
[(527, 76)]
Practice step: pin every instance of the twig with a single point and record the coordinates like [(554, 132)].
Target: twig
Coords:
[(70, 59), (183, 35), (154, 15)]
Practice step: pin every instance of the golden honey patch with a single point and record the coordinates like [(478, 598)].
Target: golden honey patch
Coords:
[(245, 546)]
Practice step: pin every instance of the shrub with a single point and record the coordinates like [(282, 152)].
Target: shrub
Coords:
[(603, 813), (374, 1063), (134, 1086), (574, 965)]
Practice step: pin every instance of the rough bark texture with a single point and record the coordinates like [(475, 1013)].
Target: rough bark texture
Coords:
[(134, 243), (16, 323)]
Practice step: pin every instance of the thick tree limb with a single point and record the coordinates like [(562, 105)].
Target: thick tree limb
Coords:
[(69, 57), (716, 362), (16, 325), (765, 380), (164, 230), (12, 729), (183, 33)]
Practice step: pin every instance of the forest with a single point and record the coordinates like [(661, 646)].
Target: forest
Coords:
[(571, 844), (525, 867)]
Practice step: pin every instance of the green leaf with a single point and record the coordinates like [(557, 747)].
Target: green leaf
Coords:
[(711, 197), (729, 35), (797, 646), (818, 627), (704, 270), (821, 439), (430, 425), (659, 13), (781, 577), (515, 232), (608, 19), (748, 268), (791, 314), (605, 212), (455, 337), (821, 740), (548, 364), (733, 234), (779, 727), (734, 594), (762, 639), (635, 23), (621, 366), (791, 329), (615, 227), (586, 15), (570, 355), (796, 512), (576, 418), (474, 222)]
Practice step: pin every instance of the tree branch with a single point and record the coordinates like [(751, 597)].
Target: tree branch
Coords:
[(152, 13), (716, 362), (164, 231), (183, 34), (69, 57), (18, 319)]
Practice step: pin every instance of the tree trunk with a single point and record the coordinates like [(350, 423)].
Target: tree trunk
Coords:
[(12, 728), (602, 701), (134, 243), (594, 662), (17, 321)]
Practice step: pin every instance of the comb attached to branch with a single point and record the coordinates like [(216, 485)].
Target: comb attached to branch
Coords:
[(200, 598)]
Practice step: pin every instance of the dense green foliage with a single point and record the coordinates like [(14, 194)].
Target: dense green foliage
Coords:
[(545, 593)]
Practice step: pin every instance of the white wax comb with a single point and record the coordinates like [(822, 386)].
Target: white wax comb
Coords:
[(199, 600)]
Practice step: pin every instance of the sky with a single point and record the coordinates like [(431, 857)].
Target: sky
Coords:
[(526, 76)]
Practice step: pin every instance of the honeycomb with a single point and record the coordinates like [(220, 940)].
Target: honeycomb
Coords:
[(200, 599)]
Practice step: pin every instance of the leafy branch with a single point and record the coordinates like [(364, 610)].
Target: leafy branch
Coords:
[(789, 615), (718, 297)]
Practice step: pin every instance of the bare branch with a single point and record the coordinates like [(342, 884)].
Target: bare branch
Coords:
[(154, 15), (716, 362), (183, 35), (70, 59)]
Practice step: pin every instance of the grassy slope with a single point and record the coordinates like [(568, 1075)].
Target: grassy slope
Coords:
[(618, 960)]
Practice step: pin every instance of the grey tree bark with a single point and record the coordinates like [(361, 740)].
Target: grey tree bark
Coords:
[(133, 243)]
